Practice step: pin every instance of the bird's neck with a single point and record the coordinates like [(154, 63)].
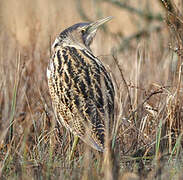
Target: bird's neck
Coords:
[(77, 46)]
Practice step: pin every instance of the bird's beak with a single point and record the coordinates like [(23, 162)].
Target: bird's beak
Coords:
[(94, 25), (91, 30)]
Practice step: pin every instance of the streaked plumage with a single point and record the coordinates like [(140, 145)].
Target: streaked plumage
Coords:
[(81, 89)]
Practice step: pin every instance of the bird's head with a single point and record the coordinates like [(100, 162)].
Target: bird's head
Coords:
[(79, 35)]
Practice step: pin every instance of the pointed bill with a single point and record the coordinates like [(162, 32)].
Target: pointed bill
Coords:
[(94, 26)]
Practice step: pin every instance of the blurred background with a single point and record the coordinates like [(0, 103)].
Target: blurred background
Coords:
[(138, 38), (33, 23), (30, 27)]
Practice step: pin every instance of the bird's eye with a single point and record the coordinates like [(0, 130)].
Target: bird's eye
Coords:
[(82, 31)]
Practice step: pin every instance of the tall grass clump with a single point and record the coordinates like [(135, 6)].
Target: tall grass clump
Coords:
[(141, 48)]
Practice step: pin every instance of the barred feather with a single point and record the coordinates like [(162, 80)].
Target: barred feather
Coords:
[(80, 98)]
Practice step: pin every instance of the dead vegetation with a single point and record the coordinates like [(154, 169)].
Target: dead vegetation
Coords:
[(146, 63)]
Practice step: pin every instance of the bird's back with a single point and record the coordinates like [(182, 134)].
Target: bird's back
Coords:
[(83, 94)]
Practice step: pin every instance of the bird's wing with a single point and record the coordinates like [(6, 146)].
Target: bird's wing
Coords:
[(84, 94)]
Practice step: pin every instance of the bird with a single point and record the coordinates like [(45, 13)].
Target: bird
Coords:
[(81, 88)]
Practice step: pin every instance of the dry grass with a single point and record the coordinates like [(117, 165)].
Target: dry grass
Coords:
[(148, 74)]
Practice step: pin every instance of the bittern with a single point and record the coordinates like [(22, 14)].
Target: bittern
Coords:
[(81, 88)]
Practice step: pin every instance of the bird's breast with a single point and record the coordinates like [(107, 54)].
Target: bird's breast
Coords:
[(81, 90)]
